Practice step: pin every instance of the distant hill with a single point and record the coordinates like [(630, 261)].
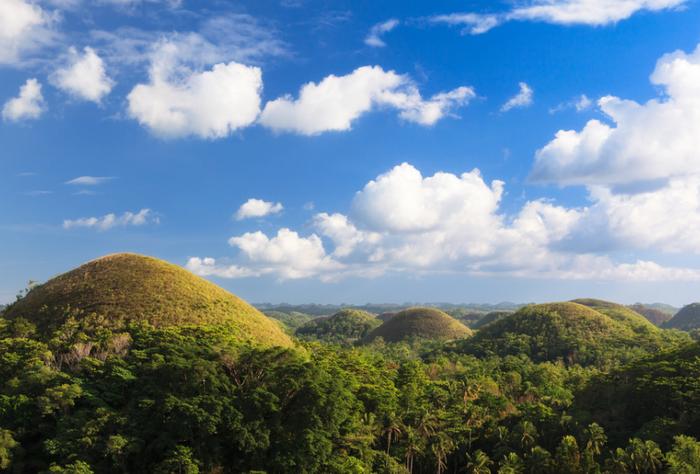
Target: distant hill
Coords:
[(455, 309), (572, 332), (655, 316), (686, 319), (290, 321), (114, 291), (490, 318), (421, 323), (344, 327)]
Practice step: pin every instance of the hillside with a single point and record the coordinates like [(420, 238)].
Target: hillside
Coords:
[(686, 319), (619, 313), (420, 323), (344, 327), (655, 315), (490, 318), (572, 332), (113, 291)]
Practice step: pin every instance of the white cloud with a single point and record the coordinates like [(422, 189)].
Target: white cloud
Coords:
[(24, 28), (587, 12), (472, 23), (209, 267), (655, 140), (28, 105), (522, 99), (89, 180), (580, 104), (559, 12), (179, 101), (109, 221), (84, 76), (374, 38), (258, 208), (403, 221), (287, 254), (337, 101)]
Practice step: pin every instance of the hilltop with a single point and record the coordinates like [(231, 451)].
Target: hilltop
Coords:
[(345, 326), (656, 315), (619, 313), (572, 332), (114, 291), (686, 319), (422, 323)]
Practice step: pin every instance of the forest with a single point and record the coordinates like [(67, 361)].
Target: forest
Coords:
[(575, 387)]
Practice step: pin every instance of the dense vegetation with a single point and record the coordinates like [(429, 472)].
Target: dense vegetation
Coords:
[(344, 327), (657, 316), (420, 323), (560, 388)]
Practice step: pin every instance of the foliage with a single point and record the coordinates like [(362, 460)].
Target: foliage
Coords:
[(344, 327), (686, 319)]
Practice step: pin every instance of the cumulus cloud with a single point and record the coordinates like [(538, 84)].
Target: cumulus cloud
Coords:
[(24, 28), (374, 38), (210, 267), (580, 104), (28, 105), (337, 101), (650, 141), (84, 76), (287, 254), (403, 221), (89, 180), (109, 221), (559, 12), (258, 208), (180, 102), (522, 99)]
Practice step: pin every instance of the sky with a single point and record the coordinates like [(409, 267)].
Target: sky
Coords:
[(350, 152)]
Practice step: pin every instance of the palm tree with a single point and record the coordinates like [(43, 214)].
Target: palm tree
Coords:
[(479, 463)]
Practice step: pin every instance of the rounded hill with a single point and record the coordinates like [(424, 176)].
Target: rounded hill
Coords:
[(655, 316), (572, 332), (420, 323), (686, 319), (114, 291), (618, 312), (345, 326)]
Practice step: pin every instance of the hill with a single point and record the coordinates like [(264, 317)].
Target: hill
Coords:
[(344, 327), (114, 291), (421, 323), (619, 313), (686, 319), (571, 332), (655, 315), (490, 318)]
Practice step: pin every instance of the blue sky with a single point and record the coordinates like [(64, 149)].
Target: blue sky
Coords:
[(180, 129)]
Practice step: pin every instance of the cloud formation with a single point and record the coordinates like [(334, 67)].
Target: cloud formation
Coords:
[(24, 27), (655, 140), (28, 105), (84, 76), (258, 208), (109, 221), (179, 101), (558, 12), (89, 180), (403, 221), (374, 38), (337, 101), (522, 99)]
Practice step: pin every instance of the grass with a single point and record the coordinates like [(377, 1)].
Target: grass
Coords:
[(120, 289), (420, 323)]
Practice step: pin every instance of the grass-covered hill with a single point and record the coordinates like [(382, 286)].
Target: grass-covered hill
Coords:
[(290, 321), (420, 323), (489, 318), (113, 291), (655, 315), (344, 327), (571, 332), (619, 313), (686, 319)]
